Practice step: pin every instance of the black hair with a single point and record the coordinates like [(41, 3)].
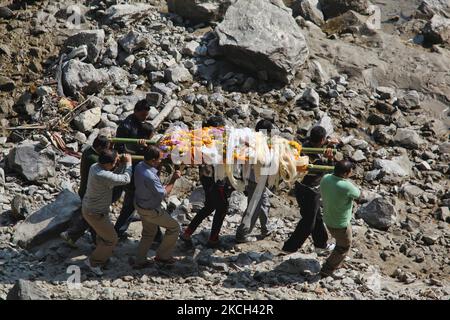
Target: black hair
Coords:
[(152, 153), (343, 167), (264, 125), (107, 156), (214, 121), (101, 142), (147, 129), (317, 134), (141, 105)]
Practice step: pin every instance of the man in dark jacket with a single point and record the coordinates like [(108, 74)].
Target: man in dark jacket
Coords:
[(308, 198), (134, 127)]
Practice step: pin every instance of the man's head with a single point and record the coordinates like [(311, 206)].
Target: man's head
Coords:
[(343, 168), (152, 156), (108, 159), (141, 110), (101, 143), (265, 126), (214, 121), (148, 130), (318, 136)]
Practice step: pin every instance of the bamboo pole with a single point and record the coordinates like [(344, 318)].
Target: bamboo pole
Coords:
[(310, 166)]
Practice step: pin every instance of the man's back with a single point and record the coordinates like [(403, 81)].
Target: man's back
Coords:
[(337, 197), (88, 158)]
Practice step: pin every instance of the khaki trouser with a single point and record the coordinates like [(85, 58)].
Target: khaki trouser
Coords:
[(343, 243), (106, 237), (151, 219)]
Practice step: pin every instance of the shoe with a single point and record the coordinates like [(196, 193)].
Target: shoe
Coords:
[(325, 274), (169, 261), (321, 251), (96, 270), (266, 233), (68, 240), (212, 244), (144, 265)]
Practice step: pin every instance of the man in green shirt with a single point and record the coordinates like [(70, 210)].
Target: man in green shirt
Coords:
[(338, 194)]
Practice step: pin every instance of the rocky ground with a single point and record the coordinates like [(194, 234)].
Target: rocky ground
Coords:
[(384, 91)]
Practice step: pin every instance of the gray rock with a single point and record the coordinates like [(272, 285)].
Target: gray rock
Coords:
[(378, 213), (408, 138), (119, 77), (435, 7), (191, 48), (84, 78), (411, 99), (411, 192), (310, 95), (177, 74), (200, 10), (93, 39), (358, 156), (112, 48), (6, 84), (127, 13), (26, 290), (6, 13), (69, 161), (397, 166), (175, 114), (133, 41), (270, 41), (87, 120), (310, 10), (325, 122), (430, 238), (334, 8), (2, 177), (49, 221), (20, 207), (444, 148), (31, 161), (386, 93), (302, 265), (237, 203), (437, 30), (162, 89)]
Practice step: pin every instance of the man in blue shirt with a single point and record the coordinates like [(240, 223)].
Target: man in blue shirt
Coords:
[(148, 197)]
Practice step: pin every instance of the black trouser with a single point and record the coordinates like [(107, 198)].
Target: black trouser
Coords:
[(216, 200), (79, 225), (311, 222), (125, 218)]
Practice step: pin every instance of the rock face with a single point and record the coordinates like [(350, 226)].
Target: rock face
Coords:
[(334, 8), (270, 41), (31, 161), (93, 39), (87, 120), (200, 10), (437, 30), (84, 78), (49, 221), (378, 213), (26, 290)]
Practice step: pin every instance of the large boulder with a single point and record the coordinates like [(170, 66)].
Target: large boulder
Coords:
[(26, 290), (124, 14), (378, 213), (334, 8), (93, 39), (397, 166), (407, 138), (31, 161), (87, 120), (437, 30), (270, 41), (200, 10), (49, 221), (84, 78), (310, 10), (431, 7)]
